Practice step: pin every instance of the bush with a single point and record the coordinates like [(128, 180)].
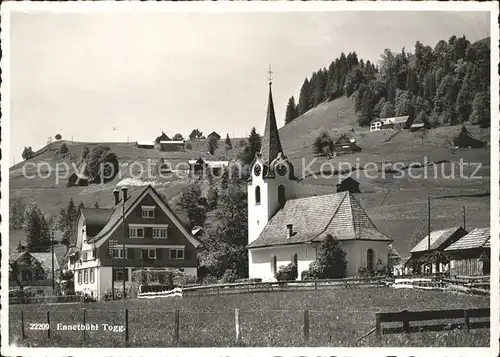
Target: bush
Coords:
[(230, 276), (108, 294), (63, 150), (287, 272), (209, 280), (305, 275), (101, 164), (323, 144), (315, 271)]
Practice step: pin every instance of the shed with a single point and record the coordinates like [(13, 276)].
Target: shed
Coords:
[(471, 254), (213, 133), (348, 184), (417, 126), (145, 144), (466, 140), (77, 179), (171, 145), (344, 144)]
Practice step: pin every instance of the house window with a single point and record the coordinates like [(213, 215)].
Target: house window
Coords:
[(257, 195), (176, 253), (84, 256), (79, 277), (281, 196), (148, 211), (85, 276), (92, 275), (159, 232), (119, 253), (369, 259), (152, 253), (273, 265), (136, 232)]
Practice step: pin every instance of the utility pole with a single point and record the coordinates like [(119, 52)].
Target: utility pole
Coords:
[(124, 198), (53, 270), (463, 209), (112, 251), (429, 227)]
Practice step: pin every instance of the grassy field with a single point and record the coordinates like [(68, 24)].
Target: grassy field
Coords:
[(337, 318)]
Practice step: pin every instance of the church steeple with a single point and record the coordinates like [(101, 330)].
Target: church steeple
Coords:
[(271, 144)]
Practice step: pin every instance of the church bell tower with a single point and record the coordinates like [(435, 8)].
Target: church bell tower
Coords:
[(272, 180)]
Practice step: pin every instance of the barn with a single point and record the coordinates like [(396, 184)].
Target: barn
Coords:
[(470, 255), (145, 144), (344, 145), (467, 140), (76, 179), (171, 145)]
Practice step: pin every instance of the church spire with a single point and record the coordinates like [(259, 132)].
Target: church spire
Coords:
[(271, 144)]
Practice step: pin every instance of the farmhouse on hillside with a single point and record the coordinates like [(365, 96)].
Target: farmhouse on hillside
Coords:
[(213, 134), (145, 144), (148, 234), (171, 145), (466, 140), (389, 123), (470, 255), (77, 179), (283, 229), (344, 145), (33, 271), (200, 166), (429, 253)]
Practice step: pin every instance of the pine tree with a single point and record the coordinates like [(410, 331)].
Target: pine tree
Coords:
[(228, 143), (212, 145), (191, 202), (253, 147), (481, 109), (291, 111), (332, 259), (305, 97), (37, 230), (388, 111)]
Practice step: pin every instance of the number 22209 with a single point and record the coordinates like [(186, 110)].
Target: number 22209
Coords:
[(39, 326)]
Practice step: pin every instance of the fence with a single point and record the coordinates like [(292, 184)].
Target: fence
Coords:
[(230, 328), (406, 316), (47, 299), (238, 288)]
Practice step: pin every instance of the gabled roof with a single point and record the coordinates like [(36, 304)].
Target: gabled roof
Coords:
[(213, 133), (271, 144), (95, 219), (145, 143), (136, 194), (438, 238), (163, 137), (339, 214), (395, 120), (45, 259), (477, 238)]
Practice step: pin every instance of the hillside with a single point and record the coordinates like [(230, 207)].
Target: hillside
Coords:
[(397, 206)]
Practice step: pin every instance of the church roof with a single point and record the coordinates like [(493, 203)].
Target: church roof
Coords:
[(313, 218), (271, 144)]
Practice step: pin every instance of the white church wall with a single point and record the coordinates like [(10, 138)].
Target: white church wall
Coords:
[(261, 259), (357, 254)]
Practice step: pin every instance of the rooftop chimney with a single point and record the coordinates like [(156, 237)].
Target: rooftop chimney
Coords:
[(289, 228), (116, 193), (125, 197)]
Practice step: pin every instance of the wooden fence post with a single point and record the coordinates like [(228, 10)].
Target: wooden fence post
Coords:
[(378, 326), (48, 322), (315, 284), (237, 324), (126, 327), (306, 326), (84, 322), (406, 321), (467, 320), (22, 325), (176, 326)]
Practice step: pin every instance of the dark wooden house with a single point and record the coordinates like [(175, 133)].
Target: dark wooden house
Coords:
[(345, 145), (77, 180), (471, 254), (466, 140), (348, 184), (214, 134)]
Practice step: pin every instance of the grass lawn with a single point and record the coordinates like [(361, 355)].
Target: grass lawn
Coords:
[(337, 318)]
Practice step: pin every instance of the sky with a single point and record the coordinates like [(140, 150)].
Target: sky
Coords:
[(81, 75)]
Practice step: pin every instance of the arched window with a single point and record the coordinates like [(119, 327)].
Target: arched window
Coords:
[(273, 265), (369, 259), (257, 195), (295, 259), (281, 196)]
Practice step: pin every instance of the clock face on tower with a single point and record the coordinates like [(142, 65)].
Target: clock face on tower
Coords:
[(281, 169), (256, 170)]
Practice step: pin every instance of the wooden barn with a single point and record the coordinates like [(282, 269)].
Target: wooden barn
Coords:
[(162, 137), (77, 180), (344, 145), (145, 144), (429, 256), (213, 133), (171, 145), (466, 140), (470, 255), (348, 184)]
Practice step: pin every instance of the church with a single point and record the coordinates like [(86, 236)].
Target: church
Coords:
[(283, 229)]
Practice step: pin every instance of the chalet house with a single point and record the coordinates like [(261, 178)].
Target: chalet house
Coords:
[(344, 145), (145, 144), (466, 140), (33, 271), (201, 166), (171, 145), (140, 232), (283, 229), (214, 134), (417, 126), (348, 184), (390, 123), (162, 137), (471, 254), (428, 253)]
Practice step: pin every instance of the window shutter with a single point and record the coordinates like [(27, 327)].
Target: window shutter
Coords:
[(158, 254), (126, 274), (187, 254), (145, 254), (130, 253), (114, 274), (94, 253)]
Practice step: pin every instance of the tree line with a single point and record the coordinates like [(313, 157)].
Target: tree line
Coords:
[(446, 84)]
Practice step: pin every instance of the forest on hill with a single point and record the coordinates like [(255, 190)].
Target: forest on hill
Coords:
[(445, 85)]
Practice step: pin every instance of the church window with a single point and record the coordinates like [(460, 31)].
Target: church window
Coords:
[(369, 259), (281, 196), (257, 195)]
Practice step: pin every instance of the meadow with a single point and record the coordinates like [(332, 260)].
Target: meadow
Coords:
[(338, 317)]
